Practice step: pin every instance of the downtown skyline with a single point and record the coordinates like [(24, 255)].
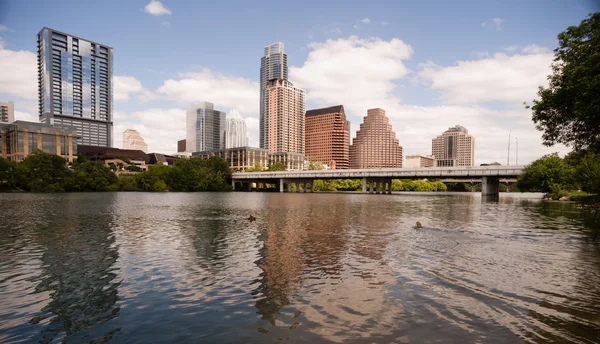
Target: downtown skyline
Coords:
[(357, 58)]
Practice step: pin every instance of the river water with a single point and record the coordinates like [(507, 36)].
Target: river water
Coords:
[(319, 268)]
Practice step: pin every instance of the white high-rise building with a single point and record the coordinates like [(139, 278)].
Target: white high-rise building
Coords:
[(7, 112), (235, 131), (205, 128), (455, 147), (133, 140)]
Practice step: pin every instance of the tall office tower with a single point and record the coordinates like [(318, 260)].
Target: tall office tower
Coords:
[(455, 147), (7, 112), (235, 131), (282, 106), (75, 86), (205, 128), (375, 144), (327, 132), (133, 140)]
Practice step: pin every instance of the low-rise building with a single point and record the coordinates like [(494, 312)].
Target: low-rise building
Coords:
[(293, 161), (19, 139), (243, 158), (97, 153), (240, 158), (416, 161)]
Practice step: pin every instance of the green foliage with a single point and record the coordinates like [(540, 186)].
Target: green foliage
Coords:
[(568, 110), (314, 165), (418, 185), (91, 176), (7, 174), (133, 168), (586, 170), (278, 166), (548, 174), (42, 172), (255, 168)]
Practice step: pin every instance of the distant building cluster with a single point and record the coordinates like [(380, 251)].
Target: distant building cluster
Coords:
[(75, 99)]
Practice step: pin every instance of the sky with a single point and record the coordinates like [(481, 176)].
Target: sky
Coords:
[(429, 64)]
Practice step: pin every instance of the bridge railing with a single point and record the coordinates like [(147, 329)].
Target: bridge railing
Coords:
[(432, 172)]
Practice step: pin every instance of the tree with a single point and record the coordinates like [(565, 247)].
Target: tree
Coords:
[(548, 174), (7, 174), (315, 165), (568, 111), (278, 166), (255, 168), (42, 172)]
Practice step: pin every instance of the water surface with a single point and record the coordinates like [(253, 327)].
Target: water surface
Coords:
[(190, 267)]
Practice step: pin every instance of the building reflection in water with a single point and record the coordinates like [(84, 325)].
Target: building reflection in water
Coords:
[(78, 271), (322, 269)]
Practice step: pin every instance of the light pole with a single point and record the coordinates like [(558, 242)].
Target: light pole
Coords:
[(517, 141), (508, 158)]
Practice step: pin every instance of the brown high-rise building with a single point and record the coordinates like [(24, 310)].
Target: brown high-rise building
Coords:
[(455, 147), (181, 145), (375, 144), (327, 133), (285, 117)]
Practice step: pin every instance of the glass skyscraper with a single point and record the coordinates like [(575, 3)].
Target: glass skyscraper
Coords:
[(75, 86), (282, 106), (205, 128)]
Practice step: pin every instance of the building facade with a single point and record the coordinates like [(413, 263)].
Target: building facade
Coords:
[(19, 139), (205, 128), (75, 87), (416, 161), (375, 144), (235, 130), (133, 140), (181, 146), (327, 135), (282, 106), (7, 112), (455, 147), (240, 158), (293, 161)]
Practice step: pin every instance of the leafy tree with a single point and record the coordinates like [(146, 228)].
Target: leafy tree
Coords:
[(133, 168), (255, 168), (278, 166), (587, 170), (568, 111), (91, 176), (548, 174), (315, 165), (148, 179), (7, 174), (42, 172)]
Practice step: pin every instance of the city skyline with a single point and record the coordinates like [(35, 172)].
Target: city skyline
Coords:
[(427, 84)]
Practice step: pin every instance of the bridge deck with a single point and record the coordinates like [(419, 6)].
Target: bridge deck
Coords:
[(395, 173)]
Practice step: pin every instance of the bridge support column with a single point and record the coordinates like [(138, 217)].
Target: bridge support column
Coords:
[(281, 184), (312, 186), (377, 187), (297, 186), (490, 186), (371, 186), (233, 184), (364, 185)]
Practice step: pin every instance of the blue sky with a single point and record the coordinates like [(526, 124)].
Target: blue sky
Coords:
[(471, 63)]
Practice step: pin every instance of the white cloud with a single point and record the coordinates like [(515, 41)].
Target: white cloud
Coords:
[(156, 8), (384, 23), (494, 22), (509, 78), (18, 76), (222, 90), (25, 116), (535, 49), (512, 48), (1, 43), (363, 74), (126, 86), (3, 28), (160, 128), (358, 73), (365, 20)]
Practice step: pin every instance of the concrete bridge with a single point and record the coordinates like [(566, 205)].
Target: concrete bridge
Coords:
[(379, 180)]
